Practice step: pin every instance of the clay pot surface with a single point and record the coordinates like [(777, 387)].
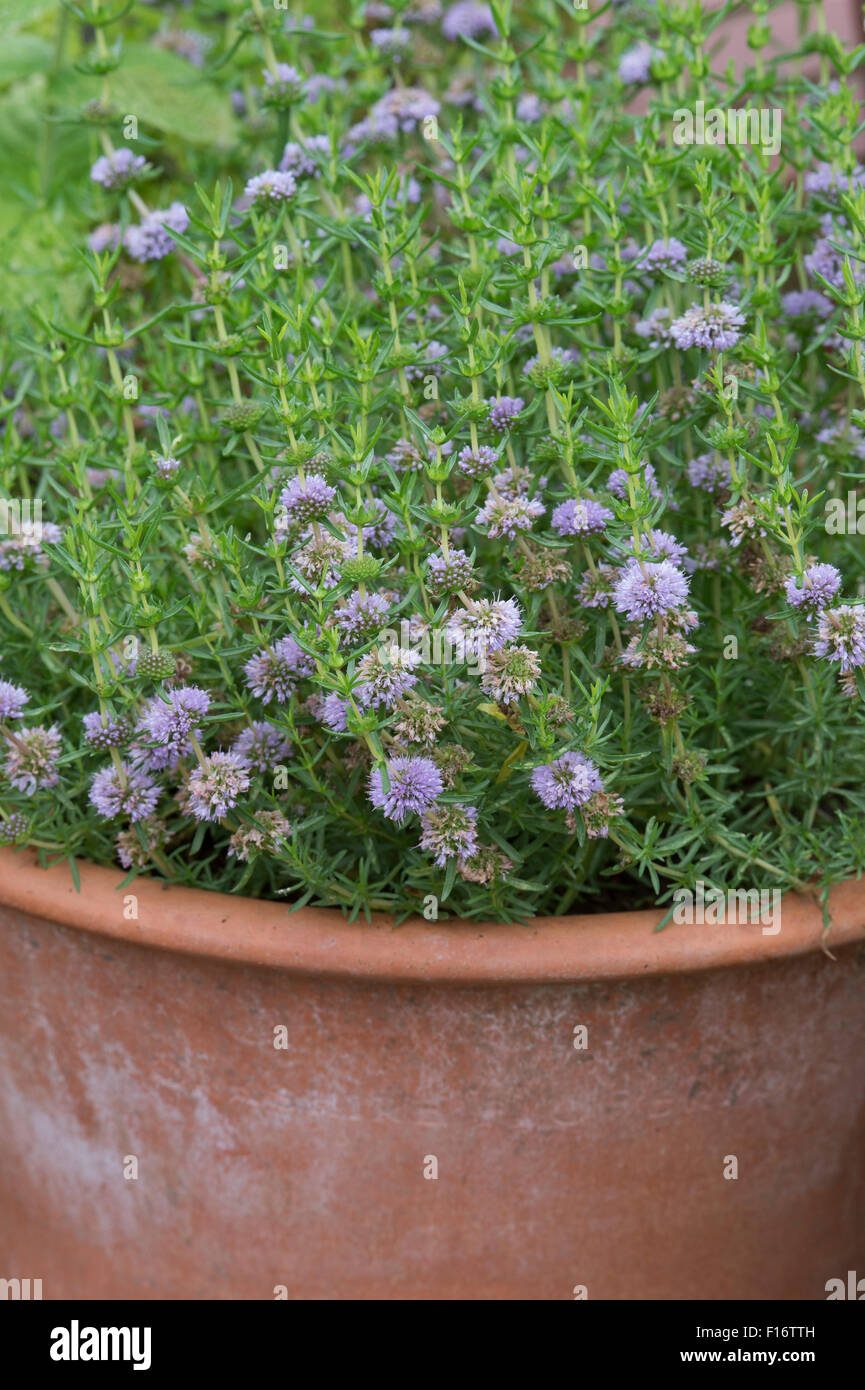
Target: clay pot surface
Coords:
[(448, 1048)]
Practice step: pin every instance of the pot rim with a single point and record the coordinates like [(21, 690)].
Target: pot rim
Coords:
[(320, 941)]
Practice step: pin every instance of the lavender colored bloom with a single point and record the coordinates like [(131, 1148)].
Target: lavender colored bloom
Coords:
[(270, 189), (841, 636), (595, 588), (165, 465), (334, 713), (386, 674), (476, 463), (504, 410), (635, 64), (13, 828), (405, 456), (13, 698), (820, 584), (31, 758), (618, 481), (646, 589), (448, 576), (718, 327), (415, 783), (127, 792), (273, 672), (529, 108), (660, 545), (174, 720), (485, 627), (507, 516), (829, 181), (285, 83), (709, 472), (150, 241), (580, 517), (450, 832), (362, 616), (466, 19), (304, 160), (118, 169), (104, 237), (394, 41), (261, 746), (665, 255), (214, 787), (566, 783), (104, 731), (307, 500), (805, 304), (656, 328), (509, 673)]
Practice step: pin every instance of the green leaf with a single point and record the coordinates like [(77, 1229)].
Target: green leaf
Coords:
[(164, 91)]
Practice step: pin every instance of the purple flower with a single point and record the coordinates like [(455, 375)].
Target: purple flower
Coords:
[(271, 188), (635, 64), (507, 516), (646, 589), (504, 410), (127, 792), (261, 746), (568, 782), (485, 627), (665, 255), (307, 500), (301, 160), (450, 832), (660, 545), (415, 783), (31, 758), (841, 636), (386, 674), (284, 83), (273, 672), (719, 327), (805, 304), (362, 616), (476, 463), (466, 19), (150, 241), (173, 720), (618, 481), (214, 787), (709, 472), (13, 829), (580, 517), (334, 713), (104, 731), (13, 698), (390, 40), (165, 465), (449, 576), (656, 328), (118, 169), (820, 584)]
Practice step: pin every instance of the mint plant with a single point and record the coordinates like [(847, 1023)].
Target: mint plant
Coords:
[(430, 483)]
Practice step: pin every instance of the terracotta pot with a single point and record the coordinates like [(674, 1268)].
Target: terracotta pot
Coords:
[(303, 1167)]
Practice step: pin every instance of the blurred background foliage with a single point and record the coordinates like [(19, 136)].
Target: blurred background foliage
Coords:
[(46, 148)]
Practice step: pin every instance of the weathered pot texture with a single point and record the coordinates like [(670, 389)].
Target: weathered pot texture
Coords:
[(323, 1110)]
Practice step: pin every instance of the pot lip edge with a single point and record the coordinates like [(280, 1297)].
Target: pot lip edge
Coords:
[(319, 941)]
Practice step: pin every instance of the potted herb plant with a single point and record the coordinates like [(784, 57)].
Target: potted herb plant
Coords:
[(433, 656)]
